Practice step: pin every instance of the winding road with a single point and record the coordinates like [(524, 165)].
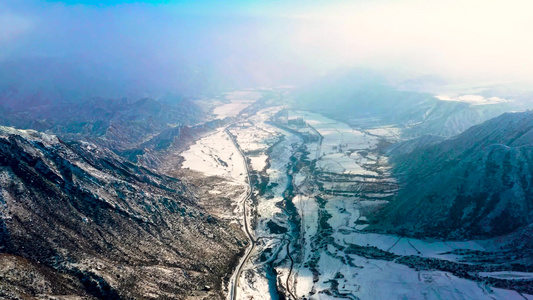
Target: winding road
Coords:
[(235, 283), (253, 241)]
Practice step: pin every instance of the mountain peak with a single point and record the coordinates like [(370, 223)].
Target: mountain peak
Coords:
[(477, 184)]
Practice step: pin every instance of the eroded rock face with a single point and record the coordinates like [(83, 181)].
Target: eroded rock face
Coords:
[(475, 185), (98, 226)]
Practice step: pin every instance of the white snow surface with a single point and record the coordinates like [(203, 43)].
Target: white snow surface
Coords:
[(369, 278), (343, 151), (339, 150), (472, 99), (215, 155), (238, 101)]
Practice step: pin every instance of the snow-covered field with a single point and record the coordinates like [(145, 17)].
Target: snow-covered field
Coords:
[(472, 99), (238, 101), (408, 246), (349, 177), (377, 279), (328, 269), (350, 163), (338, 136), (388, 132), (215, 155), (261, 142)]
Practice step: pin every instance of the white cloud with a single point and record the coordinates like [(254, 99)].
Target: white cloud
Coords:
[(486, 40), (470, 40), (13, 25)]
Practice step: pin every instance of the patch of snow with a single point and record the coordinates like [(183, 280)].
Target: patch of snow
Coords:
[(238, 101), (30, 134), (215, 155), (258, 162), (472, 99)]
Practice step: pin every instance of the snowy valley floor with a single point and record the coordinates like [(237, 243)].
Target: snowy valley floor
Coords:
[(313, 179)]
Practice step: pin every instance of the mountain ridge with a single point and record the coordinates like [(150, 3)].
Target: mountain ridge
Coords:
[(104, 227), (477, 184)]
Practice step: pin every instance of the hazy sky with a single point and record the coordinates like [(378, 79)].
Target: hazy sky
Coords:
[(271, 42)]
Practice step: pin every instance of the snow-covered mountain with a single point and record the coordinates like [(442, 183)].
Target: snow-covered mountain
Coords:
[(364, 99), (476, 184), (77, 220), (117, 124), (449, 118), (413, 144)]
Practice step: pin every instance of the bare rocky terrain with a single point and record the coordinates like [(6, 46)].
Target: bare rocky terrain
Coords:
[(122, 125), (79, 221)]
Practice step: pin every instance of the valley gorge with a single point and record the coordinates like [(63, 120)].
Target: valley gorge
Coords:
[(285, 203), (266, 150)]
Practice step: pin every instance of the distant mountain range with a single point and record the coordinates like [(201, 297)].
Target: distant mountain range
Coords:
[(39, 80), (477, 184), (78, 220), (365, 99), (117, 124)]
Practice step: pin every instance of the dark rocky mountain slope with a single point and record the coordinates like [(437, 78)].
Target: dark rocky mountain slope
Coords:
[(478, 184), (77, 220), (117, 124)]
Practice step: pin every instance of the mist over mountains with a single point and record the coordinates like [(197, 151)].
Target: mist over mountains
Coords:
[(366, 98), (283, 150)]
